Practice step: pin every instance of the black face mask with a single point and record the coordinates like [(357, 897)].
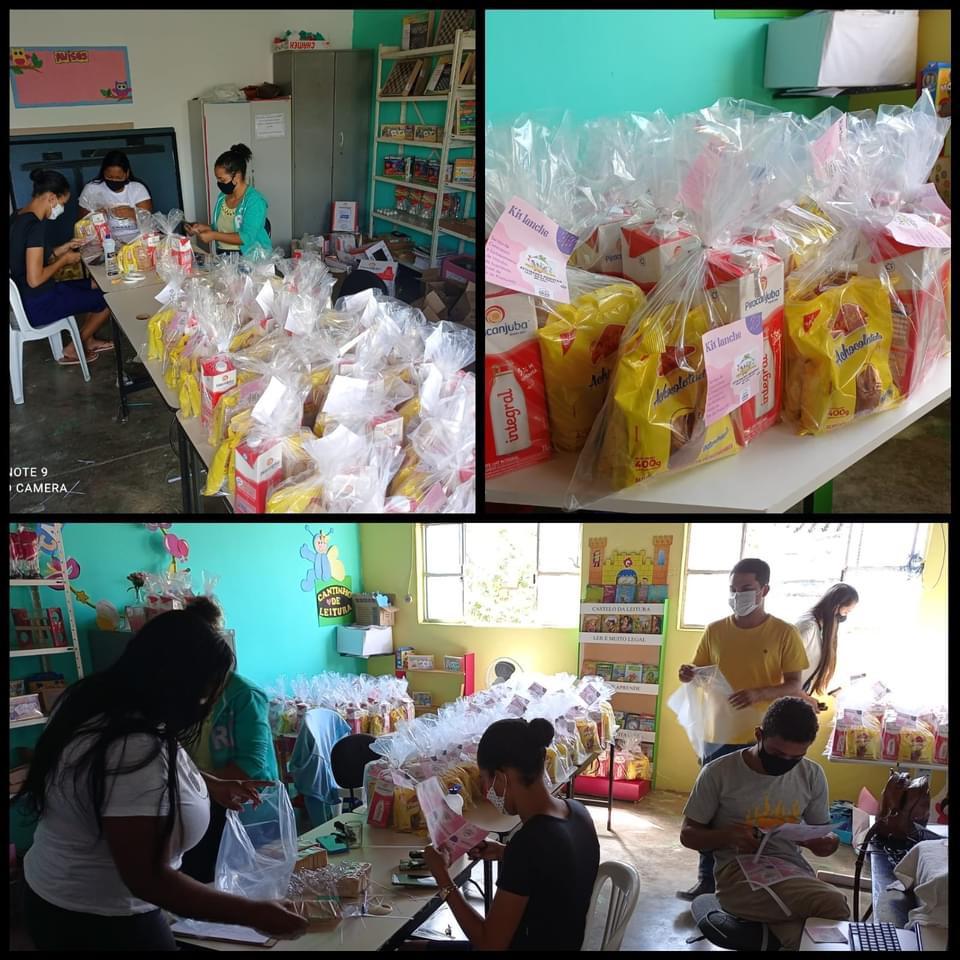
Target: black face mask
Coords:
[(841, 617), (116, 185), (777, 766), (227, 188)]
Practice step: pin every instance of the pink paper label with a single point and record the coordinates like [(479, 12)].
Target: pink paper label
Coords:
[(527, 252), (825, 146), (589, 694), (915, 231), (699, 178), (733, 357)]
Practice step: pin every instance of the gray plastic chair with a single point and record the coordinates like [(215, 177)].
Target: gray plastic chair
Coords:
[(624, 894)]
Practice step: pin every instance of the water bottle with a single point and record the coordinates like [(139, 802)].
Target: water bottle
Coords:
[(110, 256)]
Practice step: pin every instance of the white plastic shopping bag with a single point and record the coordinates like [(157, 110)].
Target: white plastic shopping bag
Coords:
[(258, 850), (703, 710)]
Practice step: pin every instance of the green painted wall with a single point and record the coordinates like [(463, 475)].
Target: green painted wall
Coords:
[(598, 63), (260, 566), (370, 29)]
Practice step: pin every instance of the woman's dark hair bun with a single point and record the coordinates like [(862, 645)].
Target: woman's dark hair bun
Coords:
[(206, 609), (541, 731), (242, 151)]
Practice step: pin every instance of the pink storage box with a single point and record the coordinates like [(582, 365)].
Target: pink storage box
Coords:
[(460, 268)]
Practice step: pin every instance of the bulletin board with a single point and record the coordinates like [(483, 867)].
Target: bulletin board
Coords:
[(69, 76)]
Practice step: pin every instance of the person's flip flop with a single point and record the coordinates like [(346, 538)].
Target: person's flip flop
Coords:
[(67, 362), (107, 345)]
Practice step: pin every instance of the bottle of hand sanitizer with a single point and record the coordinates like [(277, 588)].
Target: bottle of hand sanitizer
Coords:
[(110, 256)]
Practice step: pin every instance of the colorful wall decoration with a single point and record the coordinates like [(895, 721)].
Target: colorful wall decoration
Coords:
[(627, 576), (327, 578), (69, 76)]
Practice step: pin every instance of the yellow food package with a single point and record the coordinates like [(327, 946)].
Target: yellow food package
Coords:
[(638, 768), (587, 730), (155, 328), (916, 743), (607, 720), (222, 412), (297, 496), (409, 410), (578, 346), (407, 815), (838, 353), (411, 480), (85, 230), (190, 393), (551, 765), (396, 715), (656, 410)]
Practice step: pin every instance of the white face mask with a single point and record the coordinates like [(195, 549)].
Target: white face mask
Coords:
[(56, 211), (497, 801), (743, 603)]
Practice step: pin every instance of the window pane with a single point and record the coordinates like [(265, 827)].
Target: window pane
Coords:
[(442, 547), (714, 546), (445, 599), (884, 545), (799, 552), (558, 599), (560, 548), (500, 566), (705, 598)]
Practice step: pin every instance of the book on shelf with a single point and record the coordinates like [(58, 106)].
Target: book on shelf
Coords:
[(466, 118), (402, 77), (467, 69), (416, 30), (420, 84), (440, 78)]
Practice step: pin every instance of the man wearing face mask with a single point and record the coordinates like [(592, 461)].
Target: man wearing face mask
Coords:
[(761, 656), (758, 788)]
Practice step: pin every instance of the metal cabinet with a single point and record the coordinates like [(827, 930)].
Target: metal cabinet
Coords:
[(265, 127), (331, 94)]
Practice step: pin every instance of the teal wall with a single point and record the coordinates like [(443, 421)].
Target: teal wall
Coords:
[(260, 567), (370, 29), (601, 62)]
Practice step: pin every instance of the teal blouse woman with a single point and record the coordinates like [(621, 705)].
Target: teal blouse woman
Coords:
[(240, 214)]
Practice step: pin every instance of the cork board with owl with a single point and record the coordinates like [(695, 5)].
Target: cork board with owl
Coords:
[(69, 76)]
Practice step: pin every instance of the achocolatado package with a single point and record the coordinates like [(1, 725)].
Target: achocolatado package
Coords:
[(578, 346), (839, 337)]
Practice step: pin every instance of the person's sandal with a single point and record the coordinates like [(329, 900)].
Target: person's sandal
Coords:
[(103, 347), (75, 362)]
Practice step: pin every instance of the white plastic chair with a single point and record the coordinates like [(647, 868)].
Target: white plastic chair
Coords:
[(624, 894), (23, 332)]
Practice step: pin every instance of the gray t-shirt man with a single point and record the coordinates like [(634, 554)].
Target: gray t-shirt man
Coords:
[(727, 791)]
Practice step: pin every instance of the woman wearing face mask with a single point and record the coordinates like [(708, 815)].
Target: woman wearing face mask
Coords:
[(118, 800), (240, 214), (117, 192), (818, 629), (33, 265), (547, 870)]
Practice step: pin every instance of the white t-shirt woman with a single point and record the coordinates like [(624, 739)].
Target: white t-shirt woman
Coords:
[(70, 864), (119, 205), (812, 638)]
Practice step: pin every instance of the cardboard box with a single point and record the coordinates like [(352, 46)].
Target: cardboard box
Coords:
[(459, 267), (397, 131), (842, 48), (367, 611), (436, 304), (365, 641), (420, 661), (49, 697), (259, 471), (465, 306)]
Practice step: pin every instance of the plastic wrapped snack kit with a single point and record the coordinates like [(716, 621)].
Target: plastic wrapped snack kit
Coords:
[(578, 346), (856, 735), (655, 417), (314, 896), (174, 254)]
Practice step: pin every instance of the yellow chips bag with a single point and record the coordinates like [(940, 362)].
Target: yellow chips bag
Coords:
[(578, 346), (838, 352), (155, 327), (657, 405)]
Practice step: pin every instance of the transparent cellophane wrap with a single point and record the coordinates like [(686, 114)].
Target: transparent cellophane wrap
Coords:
[(578, 347), (858, 720), (315, 897), (731, 160), (173, 252), (703, 709), (866, 318)]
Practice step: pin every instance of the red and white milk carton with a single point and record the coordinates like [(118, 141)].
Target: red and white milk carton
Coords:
[(517, 430), (602, 251), (920, 276), (182, 252), (217, 376), (259, 471), (647, 249), (99, 220), (747, 282)]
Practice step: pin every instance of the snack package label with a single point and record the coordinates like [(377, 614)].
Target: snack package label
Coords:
[(732, 357), (528, 252), (517, 433)]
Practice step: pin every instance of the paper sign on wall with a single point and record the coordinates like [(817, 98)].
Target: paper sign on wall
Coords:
[(268, 125), (69, 76), (528, 252), (732, 356)]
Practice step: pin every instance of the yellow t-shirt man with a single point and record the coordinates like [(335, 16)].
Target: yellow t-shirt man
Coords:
[(749, 658)]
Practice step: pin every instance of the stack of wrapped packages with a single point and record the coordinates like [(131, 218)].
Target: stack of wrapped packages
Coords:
[(445, 745), (372, 705), (818, 242), (312, 407), (873, 723)]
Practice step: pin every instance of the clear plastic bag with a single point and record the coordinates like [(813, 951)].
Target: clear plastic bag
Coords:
[(703, 710), (258, 849), (578, 347)]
